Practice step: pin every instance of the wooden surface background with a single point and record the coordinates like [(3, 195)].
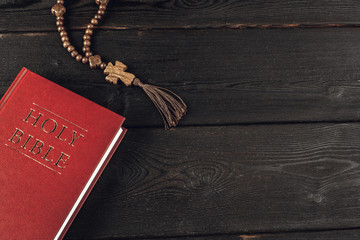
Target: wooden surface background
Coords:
[(270, 146)]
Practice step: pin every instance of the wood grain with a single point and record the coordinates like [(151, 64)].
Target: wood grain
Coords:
[(240, 166), (221, 180), (347, 234), (25, 15), (225, 76), (351, 234)]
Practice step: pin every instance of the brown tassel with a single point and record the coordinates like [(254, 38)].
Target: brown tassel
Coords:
[(170, 106)]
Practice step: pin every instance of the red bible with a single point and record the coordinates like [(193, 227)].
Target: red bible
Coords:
[(54, 145)]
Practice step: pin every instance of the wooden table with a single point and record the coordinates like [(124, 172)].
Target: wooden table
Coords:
[(270, 148)]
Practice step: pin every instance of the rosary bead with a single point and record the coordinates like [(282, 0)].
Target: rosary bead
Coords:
[(86, 37), (87, 43), (102, 2), (103, 65), (78, 58), (70, 48), (74, 53), (88, 32), (58, 10), (101, 12), (60, 18), (66, 44), (88, 54), (63, 34), (102, 7), (90, 26), (85, 60), (61, 28), (94, 21), (95, 61), (97, 16), (86, 49), (65, 39), (59, 23), (60, 1)]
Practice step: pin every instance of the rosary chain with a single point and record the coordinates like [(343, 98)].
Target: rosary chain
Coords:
[(93, 60), (170, 106)]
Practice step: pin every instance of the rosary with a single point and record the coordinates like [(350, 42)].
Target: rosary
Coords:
[(170, 106)]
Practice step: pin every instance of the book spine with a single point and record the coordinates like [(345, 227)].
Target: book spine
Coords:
[(72, 215), (12, 88)]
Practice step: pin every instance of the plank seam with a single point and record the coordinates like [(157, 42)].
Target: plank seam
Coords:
[(251, 124), (239, 26), (242, 235)]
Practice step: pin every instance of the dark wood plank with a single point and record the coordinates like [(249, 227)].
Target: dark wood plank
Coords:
[(28, 15), (234, 179), (226, 76), (351, 234)]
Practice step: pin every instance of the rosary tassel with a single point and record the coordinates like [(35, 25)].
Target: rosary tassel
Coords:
[(170, 106)]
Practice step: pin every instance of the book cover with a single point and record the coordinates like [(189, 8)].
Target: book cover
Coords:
[(54, 144)]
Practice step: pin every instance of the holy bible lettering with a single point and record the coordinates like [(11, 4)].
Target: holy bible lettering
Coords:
[(36, 147)]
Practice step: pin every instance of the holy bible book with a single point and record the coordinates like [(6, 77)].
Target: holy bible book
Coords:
[(54, 144)]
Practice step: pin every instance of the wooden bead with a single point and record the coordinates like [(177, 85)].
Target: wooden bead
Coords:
[(78, 58), (66, 44), (59, 23), (65, 39), (86, 49), (88, 32), (102, 2), (102, 7), (85, 60), (102, 65), (90, 26), (97, 16), (87, 43), (86, 37), (58, 10), (61, 28), (70, 48), (88, 54), (95, 61), (74, 53), (101, 12), (63, 34), (94, 21)]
